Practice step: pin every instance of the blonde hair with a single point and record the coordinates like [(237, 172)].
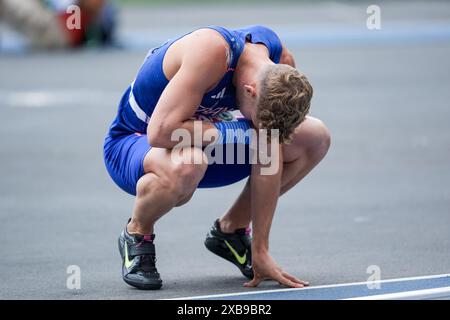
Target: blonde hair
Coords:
[(284, 100)]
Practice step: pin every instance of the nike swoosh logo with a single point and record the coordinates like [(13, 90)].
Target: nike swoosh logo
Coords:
[(240, 259), (128, 263)]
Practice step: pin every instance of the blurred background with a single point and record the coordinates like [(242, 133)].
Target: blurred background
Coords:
[(381, 196)]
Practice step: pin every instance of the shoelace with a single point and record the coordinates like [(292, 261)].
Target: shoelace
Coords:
[(147, 261)]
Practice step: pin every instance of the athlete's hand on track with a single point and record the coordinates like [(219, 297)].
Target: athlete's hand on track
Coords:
[(265, 268)]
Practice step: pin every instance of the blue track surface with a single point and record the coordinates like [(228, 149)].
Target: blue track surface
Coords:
[(343, 291)]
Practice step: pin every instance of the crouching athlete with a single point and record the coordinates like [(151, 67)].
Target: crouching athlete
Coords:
[(205, 75)]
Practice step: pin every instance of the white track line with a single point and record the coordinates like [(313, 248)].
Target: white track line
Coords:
[(58, 98), (310, 288), (409, 295)]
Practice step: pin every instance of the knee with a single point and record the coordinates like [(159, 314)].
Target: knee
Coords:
[(322, 140), (313, 139), (147, 184), (186, 175), (179, 178)]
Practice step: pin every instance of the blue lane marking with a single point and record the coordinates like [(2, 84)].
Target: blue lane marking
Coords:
[(294, 36), (343, 292), (388, 34)]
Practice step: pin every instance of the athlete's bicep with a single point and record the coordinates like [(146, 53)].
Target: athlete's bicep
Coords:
[(184, 92), (181, 96), (177, 104)]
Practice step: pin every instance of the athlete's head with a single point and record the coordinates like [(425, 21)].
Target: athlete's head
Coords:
[(282, 96)]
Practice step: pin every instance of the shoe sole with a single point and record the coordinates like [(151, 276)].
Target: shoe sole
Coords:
[(140, 286)]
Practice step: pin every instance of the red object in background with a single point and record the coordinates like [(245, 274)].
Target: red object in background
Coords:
[(75, 37)]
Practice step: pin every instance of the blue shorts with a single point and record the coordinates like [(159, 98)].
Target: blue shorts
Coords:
[(124, 159)]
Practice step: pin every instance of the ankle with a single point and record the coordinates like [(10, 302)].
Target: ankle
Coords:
[(134, 227), (229, 226)]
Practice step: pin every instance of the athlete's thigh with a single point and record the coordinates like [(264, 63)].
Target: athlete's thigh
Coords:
[(157, 160), (163, 161)]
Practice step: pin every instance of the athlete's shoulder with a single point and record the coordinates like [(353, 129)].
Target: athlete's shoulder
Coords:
[(265, 35), (204, 59), (210, 38)]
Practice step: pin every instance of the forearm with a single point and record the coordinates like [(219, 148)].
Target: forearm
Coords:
[(287, 57), (182, 134), (201, 133), (265, 190)]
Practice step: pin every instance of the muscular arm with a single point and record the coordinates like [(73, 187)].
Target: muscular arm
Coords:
[(203, 64), (265, 190)]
